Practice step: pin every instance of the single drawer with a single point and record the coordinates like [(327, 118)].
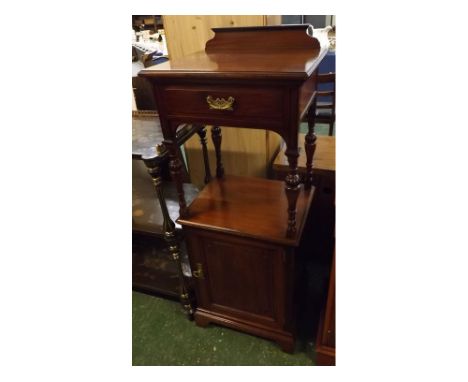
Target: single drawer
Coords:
[(239, 102)]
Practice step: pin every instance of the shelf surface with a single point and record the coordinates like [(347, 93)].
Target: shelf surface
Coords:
[(248, 207)]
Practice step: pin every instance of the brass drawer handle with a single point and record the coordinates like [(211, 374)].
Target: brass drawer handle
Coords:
[(198, 273), (220, 103)]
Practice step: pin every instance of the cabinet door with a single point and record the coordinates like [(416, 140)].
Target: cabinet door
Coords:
[(239, 278)]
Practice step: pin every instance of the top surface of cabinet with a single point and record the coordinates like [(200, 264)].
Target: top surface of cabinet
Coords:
[(273, 52), (247, 207)]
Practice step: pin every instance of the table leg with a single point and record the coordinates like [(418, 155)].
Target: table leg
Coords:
[(175, 167), (202, 134), (216, 137), (309, 145), (170, 235), (292, 188)]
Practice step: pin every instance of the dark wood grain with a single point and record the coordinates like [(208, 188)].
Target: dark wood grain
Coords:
[(249, 207), (206, 161), (273, 53), (272, 88), (244, 234), (309, 143), (245, 284), (217, 137), (326, 347)]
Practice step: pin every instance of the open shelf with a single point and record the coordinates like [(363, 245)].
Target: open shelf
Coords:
[(249, 207)]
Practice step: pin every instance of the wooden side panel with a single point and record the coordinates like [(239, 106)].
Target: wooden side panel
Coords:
[(244, 151)]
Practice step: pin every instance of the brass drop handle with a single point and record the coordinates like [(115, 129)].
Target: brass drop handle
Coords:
[(220, 103), (198, 273)]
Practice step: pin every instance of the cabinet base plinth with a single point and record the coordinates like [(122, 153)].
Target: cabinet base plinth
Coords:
[(284, 339)]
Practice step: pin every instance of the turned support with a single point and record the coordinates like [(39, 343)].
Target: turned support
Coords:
[(174, 248), (216, 137), (292, 188), (310, 144), (202, 134), (175, 167), (170, 236)]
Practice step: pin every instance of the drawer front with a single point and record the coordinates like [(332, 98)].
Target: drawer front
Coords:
[(225, 101)]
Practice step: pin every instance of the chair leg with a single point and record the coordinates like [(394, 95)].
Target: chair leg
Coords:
[(330, 129)]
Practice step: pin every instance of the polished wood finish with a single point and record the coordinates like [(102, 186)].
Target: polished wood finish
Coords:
[(323, 204), (309, 143), (248, 207), (243, 233), (217, 137), (245, 264), (321, 237), (246, 152), (275, 52), (236, 72), (326, 345), (202, 135), (246, 285)]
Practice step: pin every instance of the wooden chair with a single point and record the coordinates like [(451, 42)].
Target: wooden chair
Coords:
[(325, 111)]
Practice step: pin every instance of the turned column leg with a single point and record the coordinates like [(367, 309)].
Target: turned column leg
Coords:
[(292, 188), (309, 145), (174, 248), (170, 236), (175, 167), (202, 134), (216, 137)]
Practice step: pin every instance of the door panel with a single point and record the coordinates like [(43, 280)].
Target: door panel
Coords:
[(241, 278)]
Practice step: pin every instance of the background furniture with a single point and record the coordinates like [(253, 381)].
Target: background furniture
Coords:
[(326, 101), (160, 264), (325, 344), (142, 93), (244, 234), (147, 22)]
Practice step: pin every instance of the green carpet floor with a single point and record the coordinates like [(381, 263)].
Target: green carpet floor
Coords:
[(162, 335)]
